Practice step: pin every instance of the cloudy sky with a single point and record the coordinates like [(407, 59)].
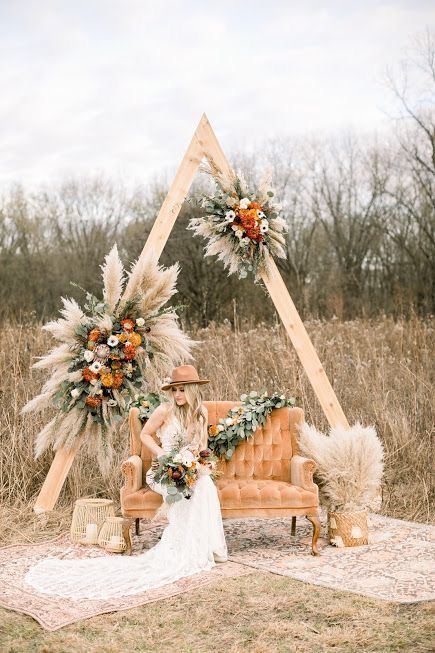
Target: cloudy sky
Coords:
[(118, 86)]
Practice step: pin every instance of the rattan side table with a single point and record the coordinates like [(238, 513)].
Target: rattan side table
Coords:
[(88, 517)]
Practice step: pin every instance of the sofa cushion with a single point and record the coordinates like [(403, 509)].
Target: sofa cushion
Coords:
[(256, 493), (142, 499)]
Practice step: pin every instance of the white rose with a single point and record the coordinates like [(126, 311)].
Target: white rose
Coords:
[(229, 421), (140, 321), (88, 355), (220, 427), (252, 393), (177, 458), (243, 397), (244, 203), (75, 393)]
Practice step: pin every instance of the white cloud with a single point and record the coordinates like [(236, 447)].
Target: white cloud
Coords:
[(119, 86)]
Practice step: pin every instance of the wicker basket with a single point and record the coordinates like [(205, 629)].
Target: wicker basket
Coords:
[(348, 528), (111, 535), (88, 517)]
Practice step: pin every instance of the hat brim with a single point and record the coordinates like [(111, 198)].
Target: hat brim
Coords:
[(175, 383)]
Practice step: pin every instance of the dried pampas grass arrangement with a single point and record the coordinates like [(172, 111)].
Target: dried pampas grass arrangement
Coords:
[(349, 465), (109, 351)]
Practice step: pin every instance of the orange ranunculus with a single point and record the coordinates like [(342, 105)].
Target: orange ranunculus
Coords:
[(115, 365), (118, 378), (88, 375), (135, 339), (122, 337), (107, 380), (94, 402), (127, 324), (255, 205), (94, 335), (129, 352), (213, 430)]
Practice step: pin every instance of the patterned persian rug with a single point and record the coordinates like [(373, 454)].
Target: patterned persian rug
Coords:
[(396, 565)]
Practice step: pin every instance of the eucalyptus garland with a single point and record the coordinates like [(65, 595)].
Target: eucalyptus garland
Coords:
[(242, 421)]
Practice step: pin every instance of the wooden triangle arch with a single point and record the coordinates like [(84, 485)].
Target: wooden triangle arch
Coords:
[(204, 144)]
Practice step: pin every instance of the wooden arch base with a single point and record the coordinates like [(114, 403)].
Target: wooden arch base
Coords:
[(204, 144)]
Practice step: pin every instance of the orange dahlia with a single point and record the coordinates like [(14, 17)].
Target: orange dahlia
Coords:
[(88, 375), (135, 339), (94, 335), (107, 380), (255, 205), (122, 337), (129, 352), (213, 430), (94, 402), (118, 378), (127, 324)]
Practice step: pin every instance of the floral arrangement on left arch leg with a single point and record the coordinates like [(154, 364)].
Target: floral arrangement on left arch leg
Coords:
[(242, 225), (108, 351)]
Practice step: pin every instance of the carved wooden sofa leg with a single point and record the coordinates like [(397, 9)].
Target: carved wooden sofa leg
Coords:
[(136, 523), (293, 531), (313, 518)]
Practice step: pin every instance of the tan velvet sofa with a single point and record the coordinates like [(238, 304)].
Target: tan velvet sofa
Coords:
[(265, 477)]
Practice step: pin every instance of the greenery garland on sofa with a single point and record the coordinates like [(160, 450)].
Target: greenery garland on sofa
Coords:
[(240, 423)]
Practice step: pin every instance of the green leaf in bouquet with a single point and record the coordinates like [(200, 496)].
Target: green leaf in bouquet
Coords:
[(172, 490)]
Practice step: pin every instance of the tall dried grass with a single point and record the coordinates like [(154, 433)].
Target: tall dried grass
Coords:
[(381, 370)]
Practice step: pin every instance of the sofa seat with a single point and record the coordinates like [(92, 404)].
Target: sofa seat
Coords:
[(235, 494)]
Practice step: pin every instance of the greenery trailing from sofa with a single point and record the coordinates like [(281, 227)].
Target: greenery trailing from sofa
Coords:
[(242, 421)]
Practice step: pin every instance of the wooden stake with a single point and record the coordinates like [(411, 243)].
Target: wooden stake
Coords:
[(55, 478)]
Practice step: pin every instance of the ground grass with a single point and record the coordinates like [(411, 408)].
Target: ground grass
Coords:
[(258, 613), (382, 372)]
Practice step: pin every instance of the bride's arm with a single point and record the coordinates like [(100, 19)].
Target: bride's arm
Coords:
[(153, 423)]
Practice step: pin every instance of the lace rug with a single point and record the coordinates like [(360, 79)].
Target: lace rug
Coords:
[(396, 565), (55, 612)]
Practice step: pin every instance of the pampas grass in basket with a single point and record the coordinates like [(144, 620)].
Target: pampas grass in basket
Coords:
[(349, 473)]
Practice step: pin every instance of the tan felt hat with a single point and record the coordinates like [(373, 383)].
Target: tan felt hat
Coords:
[(184, 374)]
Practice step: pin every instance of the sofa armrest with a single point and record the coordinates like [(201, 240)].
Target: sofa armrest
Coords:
[(132, 470), (301, 471)]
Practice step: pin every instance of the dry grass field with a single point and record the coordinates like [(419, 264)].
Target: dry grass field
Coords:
[(383, 374)]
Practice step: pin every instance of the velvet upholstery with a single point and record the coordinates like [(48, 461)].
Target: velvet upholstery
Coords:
[(265, 477)]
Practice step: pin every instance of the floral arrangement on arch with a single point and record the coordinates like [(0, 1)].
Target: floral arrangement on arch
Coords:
[(109, 349), (242, 226)]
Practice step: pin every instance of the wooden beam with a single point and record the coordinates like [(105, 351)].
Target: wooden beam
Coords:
[(55, 478)]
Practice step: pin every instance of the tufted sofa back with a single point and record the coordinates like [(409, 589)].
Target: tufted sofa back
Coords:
[(266, 455)]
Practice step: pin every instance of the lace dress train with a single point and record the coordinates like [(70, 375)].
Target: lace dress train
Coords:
[(193, 534)]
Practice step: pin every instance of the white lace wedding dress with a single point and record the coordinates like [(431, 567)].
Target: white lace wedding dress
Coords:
[(194, 533)]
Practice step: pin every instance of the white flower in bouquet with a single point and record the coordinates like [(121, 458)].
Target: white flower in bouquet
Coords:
[(112, 402), (93, 381), (229, 421), (261, 215), (75, 393), (140, 322), (112, 341), (185, 457), (253, 393), (264, 226), (95, 367), (239, 233), (230, 215), (88, 355), (220, 427), (231, 201), (244, 203)]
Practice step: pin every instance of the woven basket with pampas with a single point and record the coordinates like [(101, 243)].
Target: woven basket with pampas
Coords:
[(349, 473)]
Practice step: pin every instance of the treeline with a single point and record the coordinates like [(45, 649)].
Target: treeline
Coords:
[(361, 239)]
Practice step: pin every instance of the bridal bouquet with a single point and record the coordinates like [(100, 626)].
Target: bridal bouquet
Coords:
[(242, 225), (180, 469)]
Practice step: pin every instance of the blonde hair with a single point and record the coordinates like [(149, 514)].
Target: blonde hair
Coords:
[(190, 415)]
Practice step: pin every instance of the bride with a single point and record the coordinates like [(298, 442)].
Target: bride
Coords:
[(193, 541)]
